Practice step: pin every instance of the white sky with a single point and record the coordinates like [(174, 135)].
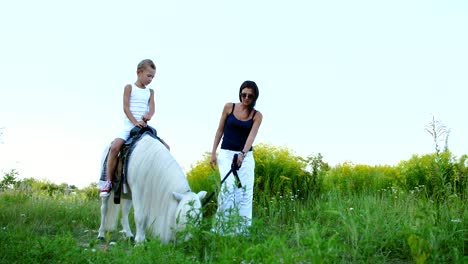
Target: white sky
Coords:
[(354, 80)]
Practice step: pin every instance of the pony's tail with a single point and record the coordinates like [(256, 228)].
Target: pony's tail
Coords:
[(111, 214)]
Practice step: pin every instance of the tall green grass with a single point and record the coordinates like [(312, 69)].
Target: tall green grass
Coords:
[(391, 225)]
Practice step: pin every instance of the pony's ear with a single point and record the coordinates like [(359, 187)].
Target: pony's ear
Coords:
[(201, 194), (177, 196)]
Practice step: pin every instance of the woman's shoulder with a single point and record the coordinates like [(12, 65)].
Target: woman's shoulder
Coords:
[(258, 114), (229, 106)]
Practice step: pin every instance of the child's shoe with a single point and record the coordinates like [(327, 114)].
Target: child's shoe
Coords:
[(105, 191)]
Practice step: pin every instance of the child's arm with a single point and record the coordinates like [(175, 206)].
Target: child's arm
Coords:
[(147, 117), (126, 106)]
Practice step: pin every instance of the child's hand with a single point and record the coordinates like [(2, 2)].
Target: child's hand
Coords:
[(141, 124), (146, 117)]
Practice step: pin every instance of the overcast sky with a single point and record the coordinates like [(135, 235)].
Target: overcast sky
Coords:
[(356, 81)]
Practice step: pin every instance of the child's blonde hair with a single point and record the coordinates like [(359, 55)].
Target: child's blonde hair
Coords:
[(146, 63)]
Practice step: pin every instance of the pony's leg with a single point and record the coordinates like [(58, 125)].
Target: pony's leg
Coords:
[(126, 206), (104, 202), (140, 222)]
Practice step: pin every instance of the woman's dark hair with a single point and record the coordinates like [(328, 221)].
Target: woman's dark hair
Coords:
[(252, 85)]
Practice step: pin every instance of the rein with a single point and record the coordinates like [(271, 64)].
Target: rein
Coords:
[(233, 170)]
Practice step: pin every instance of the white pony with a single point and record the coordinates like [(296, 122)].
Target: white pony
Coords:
[(161, 195)]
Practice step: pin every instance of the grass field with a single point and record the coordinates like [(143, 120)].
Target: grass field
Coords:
[(389, 226)]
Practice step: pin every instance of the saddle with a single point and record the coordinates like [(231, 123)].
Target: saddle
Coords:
[(119, 182)]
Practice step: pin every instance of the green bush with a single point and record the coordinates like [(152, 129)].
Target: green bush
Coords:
[(278, 172), (89, 193), (348, 177), (442, 180), (9, 180), (440, 174), (416, 170)]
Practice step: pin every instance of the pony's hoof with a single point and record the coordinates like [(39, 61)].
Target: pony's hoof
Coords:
[(100, 238)]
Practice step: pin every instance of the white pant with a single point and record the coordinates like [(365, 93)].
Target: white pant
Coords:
[(232, 199), (124, 132)]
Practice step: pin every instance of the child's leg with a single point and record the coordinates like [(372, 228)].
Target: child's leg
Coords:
[(112, 157)]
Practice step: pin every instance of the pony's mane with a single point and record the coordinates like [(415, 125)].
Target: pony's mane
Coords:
[(156, 158), (153, 175)]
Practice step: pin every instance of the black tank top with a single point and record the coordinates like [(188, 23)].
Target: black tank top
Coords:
[(236, 132)]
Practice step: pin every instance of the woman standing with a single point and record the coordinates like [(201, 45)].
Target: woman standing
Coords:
[(238, 128)]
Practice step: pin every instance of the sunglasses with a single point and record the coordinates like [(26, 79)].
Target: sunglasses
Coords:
[(247, 95)]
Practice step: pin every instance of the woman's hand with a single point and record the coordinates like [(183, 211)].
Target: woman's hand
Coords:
[(240, 159), (213, 160)]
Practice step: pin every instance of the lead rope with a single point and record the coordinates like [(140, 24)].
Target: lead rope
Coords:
[(234, 169)]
